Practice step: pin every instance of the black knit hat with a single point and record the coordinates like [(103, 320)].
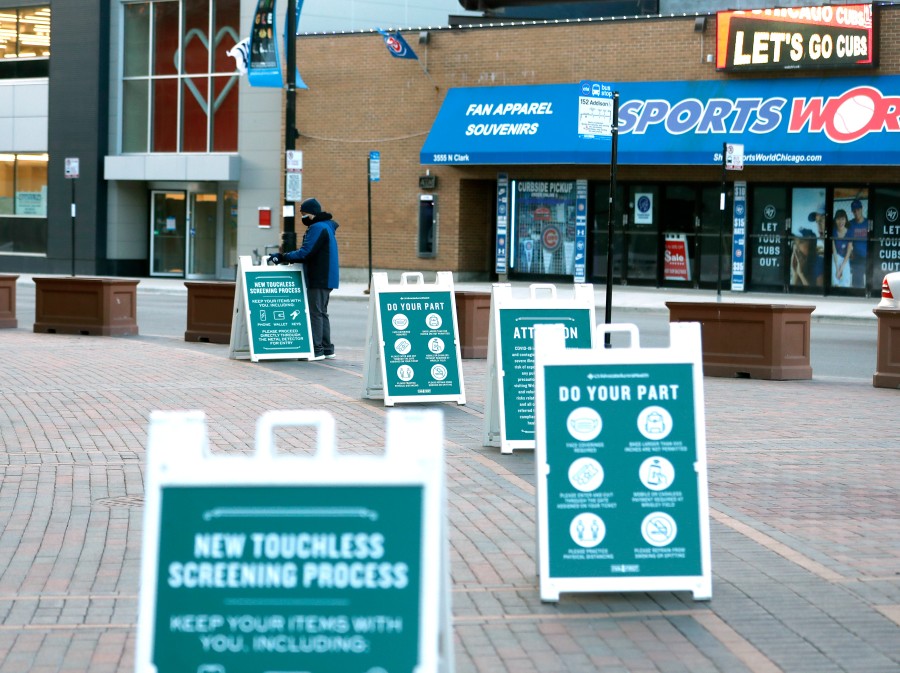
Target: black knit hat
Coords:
[(311, 207)]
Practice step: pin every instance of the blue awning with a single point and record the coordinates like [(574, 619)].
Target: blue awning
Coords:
[(816, 121)]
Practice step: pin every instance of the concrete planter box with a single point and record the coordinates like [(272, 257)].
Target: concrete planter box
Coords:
[(757, 341), (210, 310), (473, 313), (887, 363), (90, 306), (8, 301)]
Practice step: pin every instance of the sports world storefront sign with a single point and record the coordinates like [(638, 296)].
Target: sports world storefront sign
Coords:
[(846, 121), (851, 121)]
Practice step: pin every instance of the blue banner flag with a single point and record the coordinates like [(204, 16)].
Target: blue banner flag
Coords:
[(397, 45), (265, 70)]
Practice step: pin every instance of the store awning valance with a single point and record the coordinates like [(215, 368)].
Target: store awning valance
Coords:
[(820, 121)]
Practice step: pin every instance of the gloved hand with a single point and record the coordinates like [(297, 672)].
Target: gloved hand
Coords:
[(277, 258)]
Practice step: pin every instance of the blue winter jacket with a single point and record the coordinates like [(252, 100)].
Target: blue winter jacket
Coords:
[(319, 253)]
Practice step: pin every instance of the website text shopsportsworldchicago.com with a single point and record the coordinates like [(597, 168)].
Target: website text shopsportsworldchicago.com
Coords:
[(775, 157)]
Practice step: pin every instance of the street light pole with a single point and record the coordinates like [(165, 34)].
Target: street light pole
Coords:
[(289, 234)]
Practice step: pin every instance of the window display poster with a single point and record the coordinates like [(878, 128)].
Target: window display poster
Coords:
[(767, 239), (807, 241), (852, 202), (545, 226), (886, 230), (739, 238), (643, 208)]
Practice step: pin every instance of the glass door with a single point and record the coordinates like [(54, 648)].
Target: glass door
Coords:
[(201, 250), (679, 224), (167, 240)]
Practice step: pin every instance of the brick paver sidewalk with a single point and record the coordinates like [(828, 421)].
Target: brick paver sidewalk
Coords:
[(804, 504)]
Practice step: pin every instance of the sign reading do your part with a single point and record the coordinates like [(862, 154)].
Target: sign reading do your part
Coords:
[(329, 563), (271, 314), (412, 352), (621, 463), (509, 403)]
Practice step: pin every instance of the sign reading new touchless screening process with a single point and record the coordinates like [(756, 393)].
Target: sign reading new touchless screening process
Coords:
[(271, 313), (509, 385), (621, 465), (413, 350), (294, 563)]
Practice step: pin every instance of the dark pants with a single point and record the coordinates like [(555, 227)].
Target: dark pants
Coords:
[(318, 320)]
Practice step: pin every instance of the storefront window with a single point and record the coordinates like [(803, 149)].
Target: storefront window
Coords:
[(885, 213), (24, 42), (180, 90), (23, 203), (544, 227), (767, 245), (600, 232), (806, 267), (850, 237), (640, 233), (714, 238)]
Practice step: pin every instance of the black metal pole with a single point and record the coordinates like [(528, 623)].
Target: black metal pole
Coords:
[(369, 191), (614, 158), (289, 232), (73, 227), (722, 200)]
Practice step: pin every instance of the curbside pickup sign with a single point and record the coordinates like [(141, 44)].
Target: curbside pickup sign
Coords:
[(245, 572)]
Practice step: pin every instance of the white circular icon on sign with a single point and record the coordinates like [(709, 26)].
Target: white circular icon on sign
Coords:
[(655, 423), (400, 321), (657, 473), (439, 372), (402, 346), (659, 529), (587, 530), (436, 345), (584, 423), (405, 372), (433, 320), (586, 474)]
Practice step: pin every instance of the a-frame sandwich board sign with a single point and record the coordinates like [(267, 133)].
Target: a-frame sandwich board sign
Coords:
[(412, 341), (273, 562), (509, 376), (622, 490), (271, 314)]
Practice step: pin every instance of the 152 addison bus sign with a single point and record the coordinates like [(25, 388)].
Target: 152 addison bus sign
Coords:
[(796, 38)]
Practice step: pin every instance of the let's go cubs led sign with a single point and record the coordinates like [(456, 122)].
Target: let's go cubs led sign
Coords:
[(796, 38)]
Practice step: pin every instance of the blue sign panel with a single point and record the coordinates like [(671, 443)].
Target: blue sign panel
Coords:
[(811, 122)]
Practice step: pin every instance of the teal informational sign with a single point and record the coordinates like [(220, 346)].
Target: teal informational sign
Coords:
[(509, 404), (517, 355), (414, 328), (272, 313), (259, 579), (624, 504), (284, 563)]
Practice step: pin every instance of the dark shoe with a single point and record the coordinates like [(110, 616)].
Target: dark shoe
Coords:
[(330, 356)]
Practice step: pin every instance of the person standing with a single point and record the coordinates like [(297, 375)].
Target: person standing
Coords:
[(319, 254), (859, 234), (841, 273)]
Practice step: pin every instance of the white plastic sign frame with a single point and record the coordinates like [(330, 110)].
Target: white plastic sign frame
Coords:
[(243, 344), (179, 463), (591, 537), (544, 300), (413, 347)]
